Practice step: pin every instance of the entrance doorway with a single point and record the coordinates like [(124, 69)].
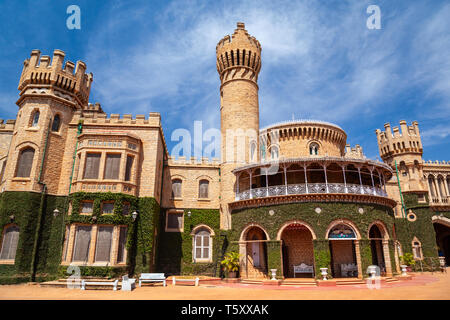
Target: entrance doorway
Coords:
[(442, 231), (376, 246), (297, 249), (256, 257), (343, 254)]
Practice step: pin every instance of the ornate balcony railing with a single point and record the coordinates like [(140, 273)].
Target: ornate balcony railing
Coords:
[(310, 188)]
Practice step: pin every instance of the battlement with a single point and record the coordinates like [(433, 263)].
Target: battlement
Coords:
[(240, 35), (7, 126), (153, 120), (93, 108), (405, 139), (239, 51), (41, 70), (193, 162), (437, 163), (354, 153)]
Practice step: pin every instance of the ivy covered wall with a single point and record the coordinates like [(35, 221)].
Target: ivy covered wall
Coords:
[(25, 207), (175, 248)]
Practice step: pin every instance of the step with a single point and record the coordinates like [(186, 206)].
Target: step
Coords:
[(252, 281), (350, 282)]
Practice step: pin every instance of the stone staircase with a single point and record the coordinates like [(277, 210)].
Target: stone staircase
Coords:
[(299, 282), (349, 282)]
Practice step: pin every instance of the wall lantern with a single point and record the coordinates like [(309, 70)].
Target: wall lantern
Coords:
[(134, 215), (189, 213), (55, 212), (12, 217)]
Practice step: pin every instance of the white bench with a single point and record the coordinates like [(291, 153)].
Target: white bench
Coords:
[(195, 281), (152, 277), (303, 268), (349, 269), (128, 284), (84, 283)]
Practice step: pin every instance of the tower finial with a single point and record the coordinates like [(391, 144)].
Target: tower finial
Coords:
[(240, 25)]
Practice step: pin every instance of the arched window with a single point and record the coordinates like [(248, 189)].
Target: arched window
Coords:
[(314, 149), (35, 118), (202, 245), (274, 153), (56, 122), (25, 162), (176, 188), (342, 231), (9, 243), (203, 187), (417, 249), (252, 150)]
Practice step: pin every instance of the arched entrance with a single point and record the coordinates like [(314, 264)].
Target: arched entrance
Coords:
[(442, 230), (297, 249), (255, 257), (343, 252), (376, 246)]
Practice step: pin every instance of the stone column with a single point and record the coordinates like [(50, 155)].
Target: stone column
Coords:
[(358, 258), (93, 245), (285, 180), (243, 259), (306, 179), (345, 180), (326, 180), (387, 258), (250, 175)]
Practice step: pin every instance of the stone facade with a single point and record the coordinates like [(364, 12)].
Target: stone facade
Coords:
[(68, 150)]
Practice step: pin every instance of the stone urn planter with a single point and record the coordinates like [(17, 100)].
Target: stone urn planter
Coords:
[(404, 267), (273, 273), (372, 270), (324, 273)]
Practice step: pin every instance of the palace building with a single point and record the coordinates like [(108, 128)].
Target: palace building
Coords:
[(80, 187)]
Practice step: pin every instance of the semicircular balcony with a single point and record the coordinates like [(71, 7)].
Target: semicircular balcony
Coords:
[(307, 179)]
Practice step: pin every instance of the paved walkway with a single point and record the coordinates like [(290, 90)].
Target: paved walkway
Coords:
[(425, 286)]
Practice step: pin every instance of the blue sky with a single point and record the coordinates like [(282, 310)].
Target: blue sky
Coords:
[(319, 60)]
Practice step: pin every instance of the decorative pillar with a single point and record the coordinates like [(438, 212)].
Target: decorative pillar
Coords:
[(345, 180), (237, 185), (285, 180), (326, 180), (267, 183), (250, 174), (436, 188), (306, 179), (360, 180), (358, 259), (373, 184), (387, 258), (384, 183), (447, 193), (397, 260), (243, 259), (93, 244)]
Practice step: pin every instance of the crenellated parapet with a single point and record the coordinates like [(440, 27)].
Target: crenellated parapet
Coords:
[(193, 162), (238, 56), (354, 153), (7, 126), (399, 141), (114, 119), (43, 72)]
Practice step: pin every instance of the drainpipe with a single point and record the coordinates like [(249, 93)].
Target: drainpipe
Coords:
[(41, 211), (400, 190)]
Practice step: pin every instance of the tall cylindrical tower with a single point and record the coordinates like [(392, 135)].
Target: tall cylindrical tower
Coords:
[(238, 64)]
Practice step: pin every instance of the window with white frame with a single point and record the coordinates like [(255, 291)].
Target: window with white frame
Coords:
[(417, 250), (107, 207), (10, 240), (87, 207), (202, 245)]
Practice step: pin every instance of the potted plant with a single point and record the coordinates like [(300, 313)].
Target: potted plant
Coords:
[(408, 260), (230, 264)]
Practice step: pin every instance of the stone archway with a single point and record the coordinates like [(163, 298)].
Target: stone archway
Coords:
[(442, 229), (344, 249), (376, 247), (253, 250), (297, 248)]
